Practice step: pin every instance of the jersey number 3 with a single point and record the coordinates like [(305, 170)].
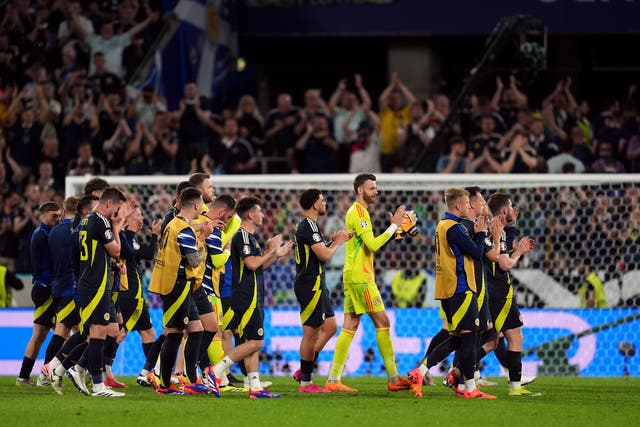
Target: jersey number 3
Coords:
[(84, 250)]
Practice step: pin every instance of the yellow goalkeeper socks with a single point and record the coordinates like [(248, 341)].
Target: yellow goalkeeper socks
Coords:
[(215, 350), (386, 350), (340, 354)]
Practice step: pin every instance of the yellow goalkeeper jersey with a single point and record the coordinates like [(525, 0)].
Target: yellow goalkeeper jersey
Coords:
[(358, 263)]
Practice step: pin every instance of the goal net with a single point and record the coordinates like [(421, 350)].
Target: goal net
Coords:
[(582, 224)]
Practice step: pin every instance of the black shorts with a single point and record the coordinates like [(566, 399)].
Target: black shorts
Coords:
[(483, 313), (45, 312), (135, 314), (96, 306), (249, 322), (315, 306), (67, 311), (203, 305), (226, 304), (179, 307), (505, 314), (461, 311)]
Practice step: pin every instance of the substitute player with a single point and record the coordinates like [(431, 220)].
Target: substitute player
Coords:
[(456, 288), (361, 294), (173, 276)]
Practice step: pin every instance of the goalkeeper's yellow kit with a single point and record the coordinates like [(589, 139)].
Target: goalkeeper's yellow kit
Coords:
[(361, 292)]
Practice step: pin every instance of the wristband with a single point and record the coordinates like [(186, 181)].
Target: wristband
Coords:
[(391, 229)]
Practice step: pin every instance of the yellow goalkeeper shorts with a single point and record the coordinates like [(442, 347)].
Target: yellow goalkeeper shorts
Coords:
[(360, 298)]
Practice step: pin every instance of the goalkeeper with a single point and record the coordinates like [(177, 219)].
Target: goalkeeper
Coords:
[(361, 295)]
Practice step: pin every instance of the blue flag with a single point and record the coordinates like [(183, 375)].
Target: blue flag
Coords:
[(202, 49)]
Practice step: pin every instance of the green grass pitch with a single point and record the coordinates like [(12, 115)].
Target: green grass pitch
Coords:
[(565, 401)]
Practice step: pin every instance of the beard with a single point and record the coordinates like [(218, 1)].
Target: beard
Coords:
[(369, 199)]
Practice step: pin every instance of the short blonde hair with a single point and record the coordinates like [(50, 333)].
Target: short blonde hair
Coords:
[(452, 195)]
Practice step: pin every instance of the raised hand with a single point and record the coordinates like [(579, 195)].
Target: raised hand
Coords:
[(206, 229), (525, 245), (156, 226), (481, 224), (284, 249), (358, 80), (396, 218), (342, 236), (497, 225), (274, 242)]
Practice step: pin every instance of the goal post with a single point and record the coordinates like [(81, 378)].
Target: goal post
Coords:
[(592, 217)]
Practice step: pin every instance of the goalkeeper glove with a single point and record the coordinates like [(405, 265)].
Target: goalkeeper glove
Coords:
[(408, 226)]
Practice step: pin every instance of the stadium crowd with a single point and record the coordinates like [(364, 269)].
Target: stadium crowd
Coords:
[(65, 109)]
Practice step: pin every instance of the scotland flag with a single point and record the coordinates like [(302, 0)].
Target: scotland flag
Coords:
[(202, 49)]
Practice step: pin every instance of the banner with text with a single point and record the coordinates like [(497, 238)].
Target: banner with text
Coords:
[(556, 342)]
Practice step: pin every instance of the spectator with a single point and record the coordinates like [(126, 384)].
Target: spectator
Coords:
[(279, 130), (145, 106), (102, 80), (23, 138), (613, 132), (487, 138), (560, 102), (394, 115), (45, 176), (109, 43), (26, 225), (116, 146), (80, 122), (344, 104), (313, 106), (508, 102), (73, 11), (318, 147), (633, 154), (85, 163), (605, 162), (455, 161), (11, 217), (192, 131), (110, 111), (557, 163), (364, 144), (539, 140), (135, 162), (161, 146), (519, 156), (235, 155), (70, 68), (250, 122), (580, 149), (416, 140)]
